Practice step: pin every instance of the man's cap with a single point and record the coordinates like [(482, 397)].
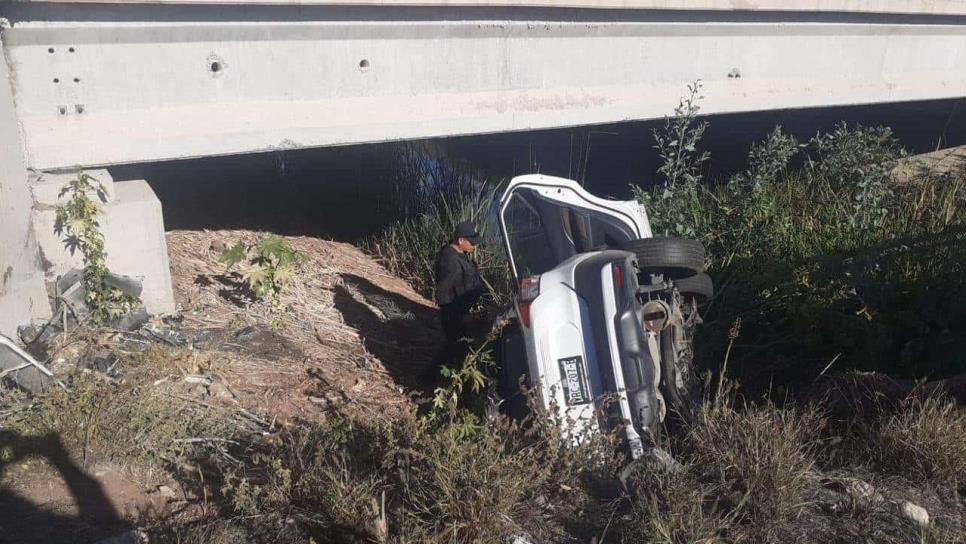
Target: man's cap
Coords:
[(467, 229)]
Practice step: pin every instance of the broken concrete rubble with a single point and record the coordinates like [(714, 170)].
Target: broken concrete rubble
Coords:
[(19, 367)]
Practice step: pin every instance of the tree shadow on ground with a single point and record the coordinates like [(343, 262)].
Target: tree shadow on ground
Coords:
[(404, 335), (23, 521)]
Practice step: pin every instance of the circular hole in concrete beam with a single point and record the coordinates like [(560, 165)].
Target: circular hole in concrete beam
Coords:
[(50, 49), (79, 108), (70, 49), (62, 110), (76, 80), (364, 64), (56, 80), (215, 66)]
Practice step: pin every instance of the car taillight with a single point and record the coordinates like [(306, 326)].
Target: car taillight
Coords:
[(529, 290), (618, 276)]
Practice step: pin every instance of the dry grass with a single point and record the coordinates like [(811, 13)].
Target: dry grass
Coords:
[(924, 441), (672, 508), (758, 458)]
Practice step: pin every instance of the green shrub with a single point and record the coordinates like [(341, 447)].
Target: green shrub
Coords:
[(271, 265)]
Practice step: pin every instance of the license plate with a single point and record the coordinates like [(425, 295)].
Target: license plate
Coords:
[(573, 376)]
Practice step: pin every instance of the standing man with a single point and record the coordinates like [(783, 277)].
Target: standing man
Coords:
[(458, 288)]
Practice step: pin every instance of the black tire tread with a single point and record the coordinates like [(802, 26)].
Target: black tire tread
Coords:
[(699, 285), (667, 253)]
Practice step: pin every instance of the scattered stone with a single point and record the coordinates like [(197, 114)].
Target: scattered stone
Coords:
[(132, 320), (199, 378), (914, 513), (220, 390), (317, 400), (167, 492), (860, 489)]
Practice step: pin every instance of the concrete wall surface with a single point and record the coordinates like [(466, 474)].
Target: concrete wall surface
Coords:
[(133, 231), (925, 7), (23, 296), (107, 92)]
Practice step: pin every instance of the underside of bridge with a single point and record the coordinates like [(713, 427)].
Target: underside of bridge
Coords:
[(95, 84)]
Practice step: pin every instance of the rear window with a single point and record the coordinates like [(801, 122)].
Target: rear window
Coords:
[(529, 243)]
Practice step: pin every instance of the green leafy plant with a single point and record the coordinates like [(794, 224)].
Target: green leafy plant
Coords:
[(76, 221), (271, 265), (457, 382), (673, 204)]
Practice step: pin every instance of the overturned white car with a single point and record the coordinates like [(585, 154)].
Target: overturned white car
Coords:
[(605, 312)]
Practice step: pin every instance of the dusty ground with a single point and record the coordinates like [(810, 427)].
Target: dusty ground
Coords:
[(353, 339), (352, 335)]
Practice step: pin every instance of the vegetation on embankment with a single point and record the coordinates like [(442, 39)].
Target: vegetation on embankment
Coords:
[(744, 473), (828, 263)]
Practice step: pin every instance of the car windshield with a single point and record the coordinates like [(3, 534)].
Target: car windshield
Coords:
[(542, 232)]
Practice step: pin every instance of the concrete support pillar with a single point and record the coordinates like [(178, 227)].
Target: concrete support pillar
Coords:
[(23, 296), (133, 231)]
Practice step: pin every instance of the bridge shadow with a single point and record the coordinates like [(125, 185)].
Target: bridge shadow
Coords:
[(22, 521), (404, 335)]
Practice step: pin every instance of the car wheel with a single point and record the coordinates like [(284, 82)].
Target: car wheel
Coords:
[(676, 257), (698, 286)]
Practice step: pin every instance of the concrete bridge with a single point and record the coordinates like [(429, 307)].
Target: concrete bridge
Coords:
[(92, 84)]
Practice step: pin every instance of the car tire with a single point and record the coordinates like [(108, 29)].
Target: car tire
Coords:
[(699, 286), (677, 257)]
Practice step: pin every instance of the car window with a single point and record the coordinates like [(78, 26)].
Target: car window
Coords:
[(528, 238)]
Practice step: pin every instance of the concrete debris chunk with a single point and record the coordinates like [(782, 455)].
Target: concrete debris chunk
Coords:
[(19, 367), (128, 285)]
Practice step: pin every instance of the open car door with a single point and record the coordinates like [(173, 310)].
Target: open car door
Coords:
[(545, 220)]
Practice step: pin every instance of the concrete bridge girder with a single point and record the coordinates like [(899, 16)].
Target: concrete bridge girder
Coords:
[(107, 92)]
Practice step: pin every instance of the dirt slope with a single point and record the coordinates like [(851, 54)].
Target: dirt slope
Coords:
[(353, 337)]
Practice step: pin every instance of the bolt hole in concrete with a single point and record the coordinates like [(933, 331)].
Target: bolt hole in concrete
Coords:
[(79, 108), (50, 49), (215, 67), (364, 64), (76, 80), (56, 80), (62, 110), (70, 49)]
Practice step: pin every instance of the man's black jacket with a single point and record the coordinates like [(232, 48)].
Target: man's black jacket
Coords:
[(457, 279)]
